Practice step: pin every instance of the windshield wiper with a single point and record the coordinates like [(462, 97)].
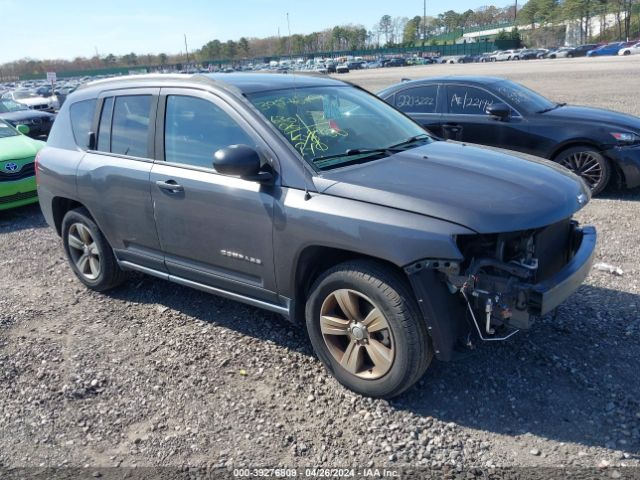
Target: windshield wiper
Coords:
[(557, 105), (351, 152), (373, 151), (410, 140)]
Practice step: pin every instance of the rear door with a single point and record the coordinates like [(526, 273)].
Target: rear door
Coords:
[(214, 229), (113, 177), (421, 104)]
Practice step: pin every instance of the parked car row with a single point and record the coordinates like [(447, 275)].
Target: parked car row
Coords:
[(590, 50)]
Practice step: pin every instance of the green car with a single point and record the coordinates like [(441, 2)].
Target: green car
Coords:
[(17, 167)]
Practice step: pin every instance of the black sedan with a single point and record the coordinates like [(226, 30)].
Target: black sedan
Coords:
[(598, 145), (15, 113)]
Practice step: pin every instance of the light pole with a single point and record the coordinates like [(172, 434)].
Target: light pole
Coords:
[(515, 12), (424, 22), (186, 49)]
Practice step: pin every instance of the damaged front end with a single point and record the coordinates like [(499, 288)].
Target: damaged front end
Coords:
[(504, 281)]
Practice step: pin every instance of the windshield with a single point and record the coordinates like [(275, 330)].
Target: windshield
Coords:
[(19, 94), (6, 130), (334, 126), (521, 98), (7, 105)]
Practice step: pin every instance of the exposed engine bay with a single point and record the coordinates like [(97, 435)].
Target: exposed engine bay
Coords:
[(498, 277)]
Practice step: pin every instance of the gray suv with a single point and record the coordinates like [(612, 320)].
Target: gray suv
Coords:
[(314, 199)]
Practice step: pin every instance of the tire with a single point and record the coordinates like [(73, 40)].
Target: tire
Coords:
[(373, 295), (627, 52), (589, 164), (81, 238)]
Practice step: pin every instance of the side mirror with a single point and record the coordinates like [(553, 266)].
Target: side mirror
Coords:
[(499, 110), (240, 161), (23, 129)]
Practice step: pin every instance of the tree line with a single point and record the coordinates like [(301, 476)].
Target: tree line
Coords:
[(539, 13), (389, 31)]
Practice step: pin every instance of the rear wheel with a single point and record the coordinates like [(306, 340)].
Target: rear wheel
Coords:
[(88, 252), (366, 328), (588, 164), (627, 52)]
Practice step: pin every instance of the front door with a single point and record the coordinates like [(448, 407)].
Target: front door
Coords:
[(466, 120), (213, 229)]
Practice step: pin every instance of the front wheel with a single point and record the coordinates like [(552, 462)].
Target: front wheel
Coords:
[(366, 328), (588, 164)]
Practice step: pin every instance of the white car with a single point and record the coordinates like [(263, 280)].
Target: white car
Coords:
[(33, 100), (560, 53), (506, 55), (632, 50), (342, 68)]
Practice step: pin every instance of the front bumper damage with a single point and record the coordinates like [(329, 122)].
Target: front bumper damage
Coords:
[(496, 298)]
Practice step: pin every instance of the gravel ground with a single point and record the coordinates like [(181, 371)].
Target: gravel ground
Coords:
[(157, 374)]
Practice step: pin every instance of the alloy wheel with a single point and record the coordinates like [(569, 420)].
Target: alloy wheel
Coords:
[(586, 166), (357, 334), (83, 251)]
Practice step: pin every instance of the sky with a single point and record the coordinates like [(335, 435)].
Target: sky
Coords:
[(42, 29)]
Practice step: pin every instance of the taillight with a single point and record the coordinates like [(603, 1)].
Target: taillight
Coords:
[(37, 167)]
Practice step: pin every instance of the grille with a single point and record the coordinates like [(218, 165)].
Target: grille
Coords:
[(17, 197), (27, 171)]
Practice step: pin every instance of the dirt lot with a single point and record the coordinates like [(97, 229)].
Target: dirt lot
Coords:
[(158, 374)]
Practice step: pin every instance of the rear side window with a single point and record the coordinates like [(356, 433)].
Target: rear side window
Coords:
[(417, 100), (130, 125), (195, 128), (81, 114)]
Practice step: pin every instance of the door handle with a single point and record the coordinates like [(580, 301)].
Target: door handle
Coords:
[(170, 186)]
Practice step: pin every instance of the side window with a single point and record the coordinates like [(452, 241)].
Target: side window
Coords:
[(195, 128), (468, 100), (417, 99), (81, 114), (104, 129), (130, 125)]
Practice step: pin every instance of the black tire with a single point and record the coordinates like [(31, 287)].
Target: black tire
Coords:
[(580, 160), (627, 52), (390, 293), (107, 273)]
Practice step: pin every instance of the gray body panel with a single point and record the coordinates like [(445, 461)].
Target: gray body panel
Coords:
[(116, 191)]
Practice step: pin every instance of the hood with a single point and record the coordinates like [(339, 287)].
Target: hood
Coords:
[(481, 189), (18, 147), (34, 101), (22, 115), (599, 115)]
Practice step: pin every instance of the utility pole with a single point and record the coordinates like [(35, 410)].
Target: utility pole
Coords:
[(515, 12), (186, 49), (424, 22)]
